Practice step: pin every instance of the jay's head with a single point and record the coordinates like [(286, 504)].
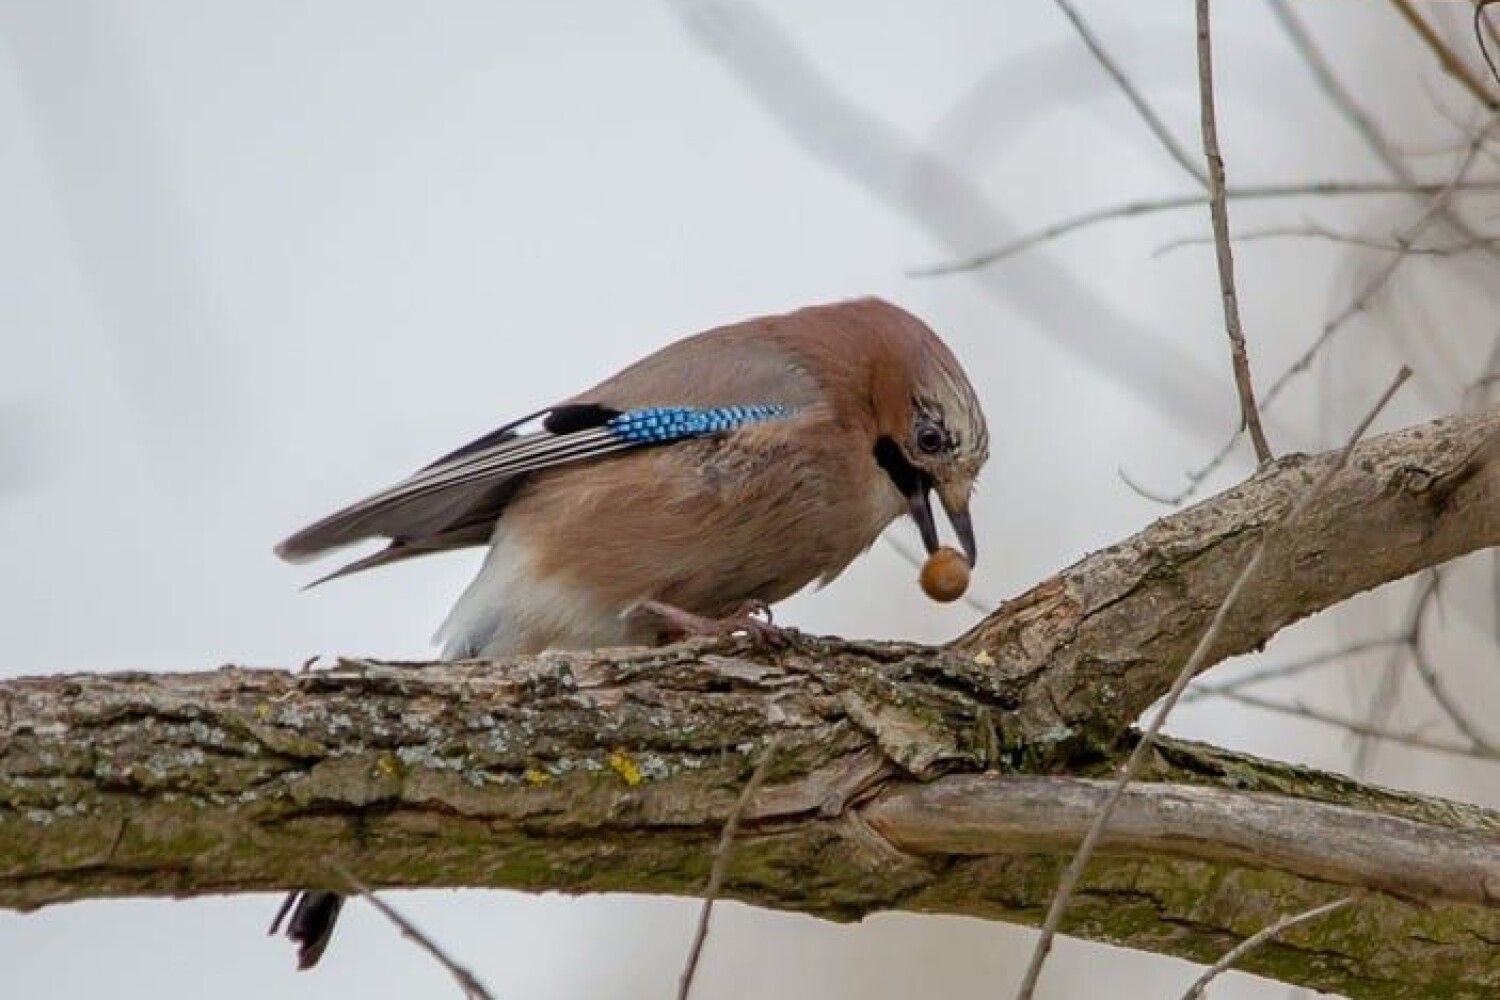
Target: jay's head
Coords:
[(931, 437)]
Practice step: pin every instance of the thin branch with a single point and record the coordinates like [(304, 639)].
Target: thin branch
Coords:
[(1373, 287), (1133, 95), (1316, 230), (1477, 393), (1002, 813), (721, 864), (1303, 44), (1409, 641), (1482, 28), (1447, 58), (1245, 947), (1358, 727), (1435, 687), (1307, 49), (1190, 669), (1194, 477), (1151, 206), (1383, 701), (1282, 671), (1224, 253), (472, 988)]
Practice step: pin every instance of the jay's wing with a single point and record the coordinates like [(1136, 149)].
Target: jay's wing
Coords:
[(455, 501), (705, 384)]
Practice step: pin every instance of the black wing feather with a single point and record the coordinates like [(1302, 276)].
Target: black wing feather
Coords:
[(455, 501)]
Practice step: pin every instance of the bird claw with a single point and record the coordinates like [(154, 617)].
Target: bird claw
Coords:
[(753, 618)]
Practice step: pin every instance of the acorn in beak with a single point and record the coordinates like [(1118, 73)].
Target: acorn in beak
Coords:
[(919, 502)]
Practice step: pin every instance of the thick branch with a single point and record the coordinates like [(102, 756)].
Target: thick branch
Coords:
[(615, 771), (1096, 644), (907, 777)]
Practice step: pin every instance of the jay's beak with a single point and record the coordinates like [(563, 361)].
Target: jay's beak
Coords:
[(957, 509)]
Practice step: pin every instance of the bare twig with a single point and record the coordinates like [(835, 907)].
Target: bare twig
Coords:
[(1408, 642), (472, 988), (1190, 669), (1224, 253), (1447, 58), (1435, 687), (1151, 206), (1481, 23), (1292, 669), (1359, 727), (1260, 937), (1148, 115), (1303, 44), (1314, 230), (1477, 393), (1194, 477), (721, 864), (1382, 704), (1383, 700)]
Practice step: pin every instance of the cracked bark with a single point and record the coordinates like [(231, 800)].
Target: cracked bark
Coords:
[(951, 779)]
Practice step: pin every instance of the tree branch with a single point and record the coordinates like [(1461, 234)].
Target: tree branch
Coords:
[(1224, 253), (952, 779), (1132, 94), (1447, 58), (1171, 203), (1136, 762), (1103, 639)]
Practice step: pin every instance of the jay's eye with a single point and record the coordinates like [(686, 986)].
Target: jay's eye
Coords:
[(929, 439)]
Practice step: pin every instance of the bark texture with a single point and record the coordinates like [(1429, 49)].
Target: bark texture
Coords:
[(950, 779)]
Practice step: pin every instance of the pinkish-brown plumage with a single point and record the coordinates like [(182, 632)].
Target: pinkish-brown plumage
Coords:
[(859, 410), (707, 523)]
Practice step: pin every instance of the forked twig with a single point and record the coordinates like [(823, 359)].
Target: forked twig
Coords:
[(1357, 727), (1295, 667), (1343, 99), (1132, 94), (1260, 937)]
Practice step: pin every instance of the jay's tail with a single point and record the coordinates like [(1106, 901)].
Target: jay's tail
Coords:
[(313, 915)]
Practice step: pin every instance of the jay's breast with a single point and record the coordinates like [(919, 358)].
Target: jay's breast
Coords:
[(704, 526)]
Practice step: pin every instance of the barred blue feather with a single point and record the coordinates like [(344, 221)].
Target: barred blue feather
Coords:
[(664, 424)]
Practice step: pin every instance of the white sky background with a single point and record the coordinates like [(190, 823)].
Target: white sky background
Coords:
[(259, 259)]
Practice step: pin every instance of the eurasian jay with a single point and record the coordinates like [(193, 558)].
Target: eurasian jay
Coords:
[(726, 471)]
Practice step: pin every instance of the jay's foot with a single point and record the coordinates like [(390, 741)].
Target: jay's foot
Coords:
[(752, 618)]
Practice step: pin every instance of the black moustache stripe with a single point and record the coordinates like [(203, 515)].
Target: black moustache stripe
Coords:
[(909, 479)]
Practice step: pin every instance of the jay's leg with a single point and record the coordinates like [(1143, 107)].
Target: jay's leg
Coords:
[(752, 618)]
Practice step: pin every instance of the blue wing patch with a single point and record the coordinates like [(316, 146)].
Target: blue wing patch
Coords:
[(663, 424), (499, 455)]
